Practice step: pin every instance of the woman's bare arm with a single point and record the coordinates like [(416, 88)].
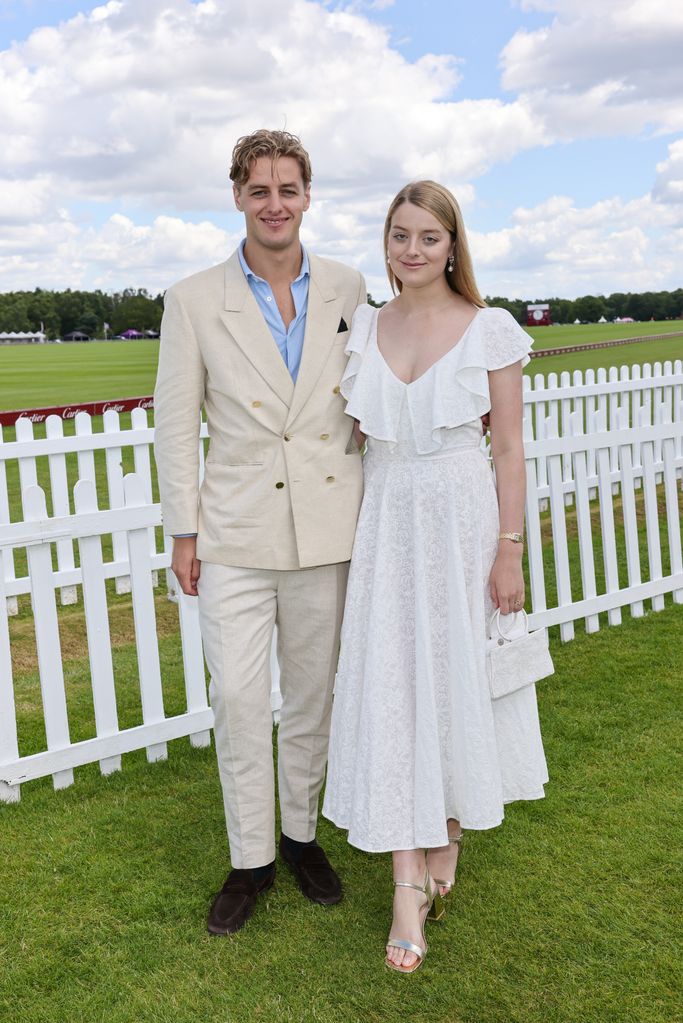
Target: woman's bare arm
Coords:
[(505, 388)]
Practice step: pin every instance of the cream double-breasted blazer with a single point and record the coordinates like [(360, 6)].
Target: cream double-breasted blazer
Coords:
[(283, 478)]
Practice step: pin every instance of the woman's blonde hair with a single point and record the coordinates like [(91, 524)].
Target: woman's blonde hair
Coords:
[(274, 144), (436, 199)]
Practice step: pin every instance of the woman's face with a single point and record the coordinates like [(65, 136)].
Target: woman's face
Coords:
[(418, 247)]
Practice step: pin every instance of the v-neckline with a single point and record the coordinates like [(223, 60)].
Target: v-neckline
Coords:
[(436, 362)]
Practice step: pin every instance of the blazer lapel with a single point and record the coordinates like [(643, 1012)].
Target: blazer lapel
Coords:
[(246, 324), (322, 322)]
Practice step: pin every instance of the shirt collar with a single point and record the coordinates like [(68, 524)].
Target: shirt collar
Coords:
[(248, 272)]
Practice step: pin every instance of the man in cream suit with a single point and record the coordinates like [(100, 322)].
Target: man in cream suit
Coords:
[(259, 343)]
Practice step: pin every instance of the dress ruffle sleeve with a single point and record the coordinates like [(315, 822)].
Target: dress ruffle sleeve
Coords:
[(452, 392), (460, 381), (377, 408), (355, 349)]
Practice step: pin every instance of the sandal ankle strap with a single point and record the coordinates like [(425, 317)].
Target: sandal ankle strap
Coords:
[(407, 884)]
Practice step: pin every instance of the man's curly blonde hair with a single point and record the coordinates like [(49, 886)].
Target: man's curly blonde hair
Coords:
[(274, 144)]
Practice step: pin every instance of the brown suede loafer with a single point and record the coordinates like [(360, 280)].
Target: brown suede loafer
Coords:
[(315, 876), (236, 901)]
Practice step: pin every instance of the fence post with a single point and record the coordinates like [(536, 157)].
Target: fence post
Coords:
[(59, 487), (193, 659), (565, 413), (559, 525), (607, 530), (628, 505), (48, 645), (654, 550), (114, 467), (671, 504), (149, 669), (540, 409), (97, 625), (583, 522), (9, 745), (534, 541), (11, 603), (677, 408)]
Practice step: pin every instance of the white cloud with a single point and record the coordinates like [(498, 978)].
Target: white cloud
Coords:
[(558, 248), (601, 67), (136, 106), (142, 102), (669, 184), (121, 253)]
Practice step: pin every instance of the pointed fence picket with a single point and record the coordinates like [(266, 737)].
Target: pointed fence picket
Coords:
[(58, 452), (9, 744), (48, 643), (59, 489), (640, 528), (114, 469), (608, 391), (38, 534), (97, 625)]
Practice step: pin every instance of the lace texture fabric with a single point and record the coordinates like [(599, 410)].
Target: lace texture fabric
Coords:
[(415, 735)]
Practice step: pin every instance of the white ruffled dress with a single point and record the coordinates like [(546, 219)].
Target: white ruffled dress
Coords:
[(415, 736)]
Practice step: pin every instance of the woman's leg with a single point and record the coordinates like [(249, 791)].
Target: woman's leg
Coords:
[(408, 866), (443, 860)]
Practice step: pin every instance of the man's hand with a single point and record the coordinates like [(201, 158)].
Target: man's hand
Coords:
[(184, 563)]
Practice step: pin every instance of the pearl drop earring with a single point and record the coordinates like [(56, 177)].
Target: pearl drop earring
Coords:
[(451, 263)]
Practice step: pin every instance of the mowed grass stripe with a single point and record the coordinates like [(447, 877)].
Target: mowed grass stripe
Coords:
[(590, 333), (33, 376)]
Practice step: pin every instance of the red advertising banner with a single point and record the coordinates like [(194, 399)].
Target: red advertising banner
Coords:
[(93, 408)]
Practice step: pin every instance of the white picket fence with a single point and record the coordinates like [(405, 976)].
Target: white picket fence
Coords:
[(617, 394), (615, 480), (28, 460), (617, 440)]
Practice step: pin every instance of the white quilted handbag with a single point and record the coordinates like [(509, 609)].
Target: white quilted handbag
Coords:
[(517, 657)]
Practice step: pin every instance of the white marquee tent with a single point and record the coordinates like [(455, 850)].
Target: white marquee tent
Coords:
[(22, 337)]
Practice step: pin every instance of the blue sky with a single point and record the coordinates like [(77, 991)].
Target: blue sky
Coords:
[(557, 123)]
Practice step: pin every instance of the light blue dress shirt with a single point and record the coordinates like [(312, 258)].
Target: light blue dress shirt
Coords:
[(290, 340)]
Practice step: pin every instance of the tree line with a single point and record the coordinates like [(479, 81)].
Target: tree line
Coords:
[(61, 312), (648, 305)]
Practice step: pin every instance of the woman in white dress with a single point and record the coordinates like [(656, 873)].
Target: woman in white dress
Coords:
[(419, 751)]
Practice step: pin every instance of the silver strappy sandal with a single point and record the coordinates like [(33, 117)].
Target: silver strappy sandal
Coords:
[(409, 946)]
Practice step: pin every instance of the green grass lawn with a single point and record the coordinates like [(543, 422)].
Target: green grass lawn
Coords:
[(32, 376), (584, 333), (567, 913), (620, 355)]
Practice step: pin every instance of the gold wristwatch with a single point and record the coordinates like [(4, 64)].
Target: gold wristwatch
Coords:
[(515, 537)]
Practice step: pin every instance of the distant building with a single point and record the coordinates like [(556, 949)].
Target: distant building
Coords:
[(22, 337), (538, 315), (76, 335)]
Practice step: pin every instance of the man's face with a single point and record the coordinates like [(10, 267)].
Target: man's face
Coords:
[(273, 201)]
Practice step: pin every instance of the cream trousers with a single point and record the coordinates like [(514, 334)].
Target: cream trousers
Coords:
[(238, 608)]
